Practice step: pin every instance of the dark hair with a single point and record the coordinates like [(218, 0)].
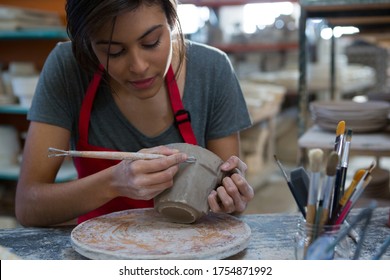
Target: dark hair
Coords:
[(85, 17)]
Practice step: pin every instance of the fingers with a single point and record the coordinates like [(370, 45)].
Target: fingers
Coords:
[(232, 196), (144, 179), (162, 150), (234, 163)]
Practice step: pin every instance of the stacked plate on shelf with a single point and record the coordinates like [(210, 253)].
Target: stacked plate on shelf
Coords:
[(363, 117)]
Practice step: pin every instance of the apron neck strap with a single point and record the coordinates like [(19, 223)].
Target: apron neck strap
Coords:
[(182, 116), (86, 108)]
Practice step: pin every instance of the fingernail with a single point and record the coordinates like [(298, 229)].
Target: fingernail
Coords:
[(225, 165)]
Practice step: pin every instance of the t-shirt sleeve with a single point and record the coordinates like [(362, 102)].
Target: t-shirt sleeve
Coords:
[(230, 112), (53, 102)]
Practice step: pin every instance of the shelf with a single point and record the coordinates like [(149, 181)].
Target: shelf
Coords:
[(55, 33), (67, 172), (366, 15), (215, 3), (13, 109), (254, 47)]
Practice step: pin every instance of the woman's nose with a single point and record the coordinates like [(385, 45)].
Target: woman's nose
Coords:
[(138, 63)]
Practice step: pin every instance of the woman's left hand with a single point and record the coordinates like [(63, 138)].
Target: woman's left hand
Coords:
[(235, 192)]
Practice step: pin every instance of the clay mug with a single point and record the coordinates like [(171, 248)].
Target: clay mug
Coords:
[(186, 201)]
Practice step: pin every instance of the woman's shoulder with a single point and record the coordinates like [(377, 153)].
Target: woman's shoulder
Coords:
[(197, 49), (62, 54), (63, 48)]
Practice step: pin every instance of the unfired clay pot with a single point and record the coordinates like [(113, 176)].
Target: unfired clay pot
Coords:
[(186, 200)]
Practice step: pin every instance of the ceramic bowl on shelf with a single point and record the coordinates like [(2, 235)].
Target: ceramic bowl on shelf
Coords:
[(9, 146), (370, 116), (24, 88)]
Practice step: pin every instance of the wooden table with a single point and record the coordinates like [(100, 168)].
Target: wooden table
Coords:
[(272, 238)]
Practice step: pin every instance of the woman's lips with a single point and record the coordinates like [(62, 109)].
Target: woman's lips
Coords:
[(143, 84)]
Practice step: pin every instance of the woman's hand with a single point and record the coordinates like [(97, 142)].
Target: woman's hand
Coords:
[(144, 179), (235, 192)]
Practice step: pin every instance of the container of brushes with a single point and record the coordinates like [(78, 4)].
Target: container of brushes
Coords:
[(307, 247)]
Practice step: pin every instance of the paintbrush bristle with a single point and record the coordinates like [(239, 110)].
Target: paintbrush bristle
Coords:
[(340, 128), (358, 175), (315, 159), (331, 165)]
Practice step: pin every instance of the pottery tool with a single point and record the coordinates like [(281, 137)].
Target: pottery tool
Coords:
[(53, 152), (315, 161), (300, 182), (327, 188), (291, 187), (364, 181)]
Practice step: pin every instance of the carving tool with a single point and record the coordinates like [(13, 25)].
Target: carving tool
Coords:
[(53, 152), (291, 187)]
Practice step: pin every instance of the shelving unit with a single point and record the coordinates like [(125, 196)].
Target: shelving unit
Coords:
[(370, 16), (234, 48), (31, 45), (258, 141)]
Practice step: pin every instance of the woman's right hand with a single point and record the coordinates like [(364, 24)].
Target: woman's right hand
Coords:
[(144, 179)]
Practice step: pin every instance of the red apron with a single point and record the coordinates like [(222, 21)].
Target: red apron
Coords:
[(88, 166)]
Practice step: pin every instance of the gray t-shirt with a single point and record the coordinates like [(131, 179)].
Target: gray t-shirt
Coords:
[(212, 95)]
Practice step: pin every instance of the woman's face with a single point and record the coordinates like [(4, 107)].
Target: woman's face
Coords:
[(140, 50)]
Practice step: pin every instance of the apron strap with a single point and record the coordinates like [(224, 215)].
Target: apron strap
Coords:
[(85, 112), (182, 116)]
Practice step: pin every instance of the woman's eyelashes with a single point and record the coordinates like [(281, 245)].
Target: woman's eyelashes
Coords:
[(152, 45), (122, 51)]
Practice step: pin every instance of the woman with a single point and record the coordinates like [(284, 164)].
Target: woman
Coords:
[(115, 87)]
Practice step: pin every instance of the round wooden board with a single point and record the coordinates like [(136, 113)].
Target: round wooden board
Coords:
[(145, 234)]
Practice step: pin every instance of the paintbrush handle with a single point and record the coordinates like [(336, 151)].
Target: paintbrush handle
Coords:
[(311, 214), (114, 155), (324, 217)]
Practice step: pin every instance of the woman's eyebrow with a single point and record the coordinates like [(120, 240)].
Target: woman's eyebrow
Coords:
[(146, 33)]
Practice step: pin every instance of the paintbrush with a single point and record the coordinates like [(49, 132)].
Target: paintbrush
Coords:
[(53, 152), (291, 187), (315, 162), (341, 172), (351, 189), (327, 188), (364, 181), (338, 145)]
